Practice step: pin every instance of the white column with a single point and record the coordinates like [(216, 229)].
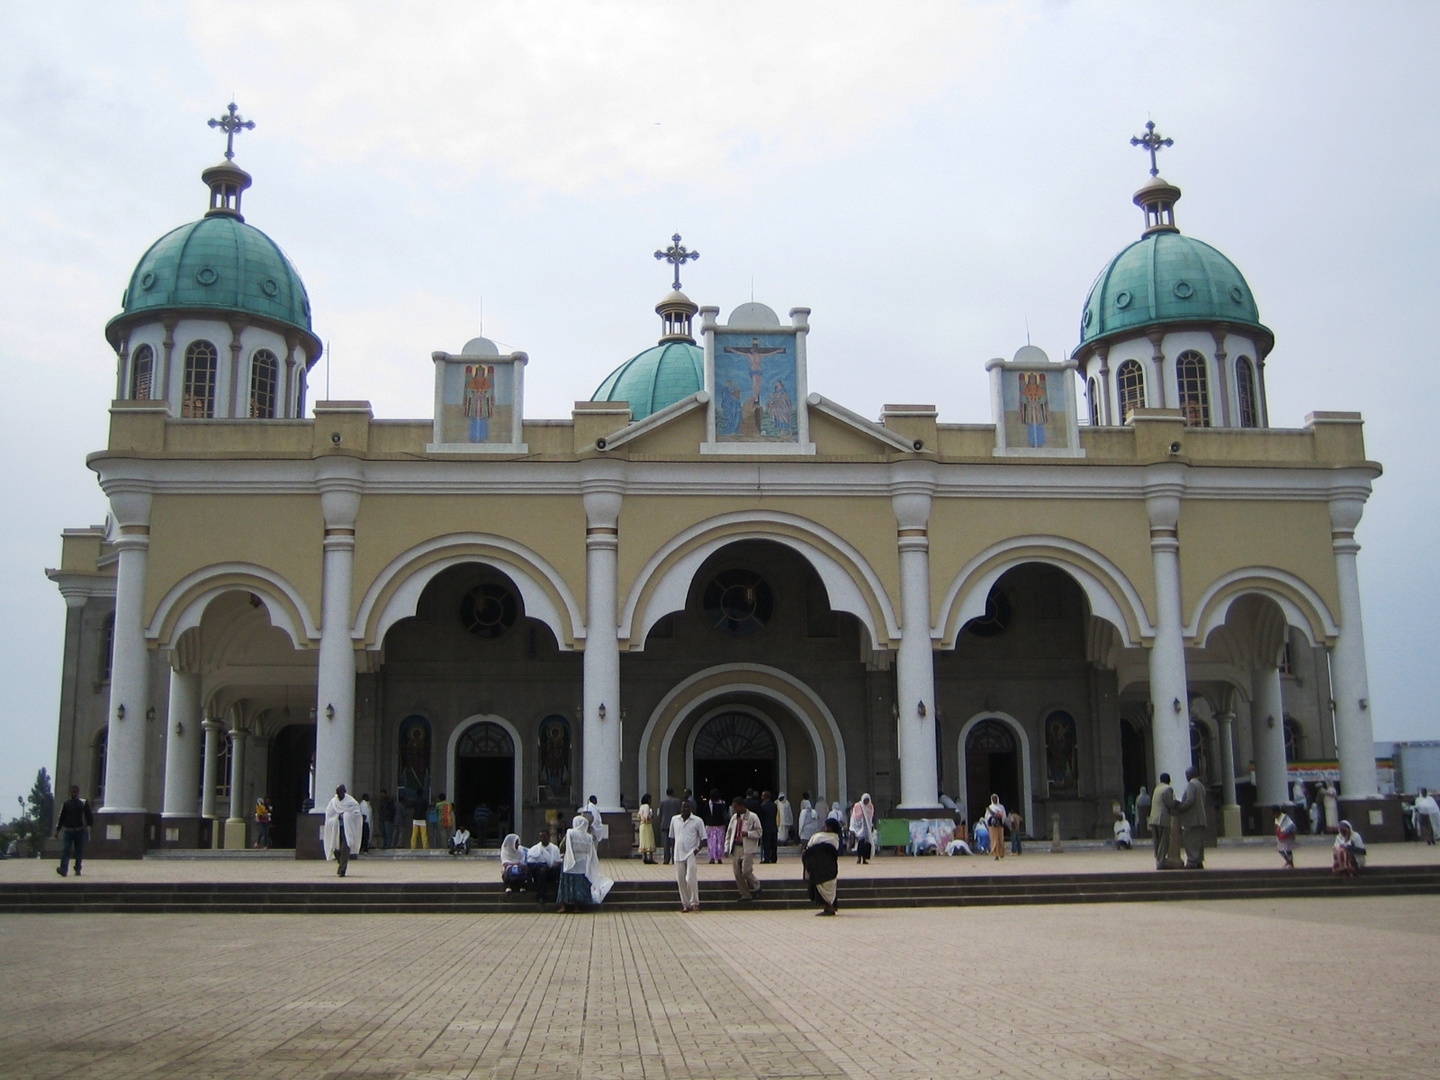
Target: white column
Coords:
[(1230, 806), (910, 496), (130, 663), (1354, 732), (182, 743), (214, 732), (1267, 724), (340, 485), (235, 823), (1169, 689), (603, 490)]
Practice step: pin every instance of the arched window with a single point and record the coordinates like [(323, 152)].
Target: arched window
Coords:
[(107, 646), (1130, 382), (142, 369), (1194, 389), (99, 752), (264, 379), (1294, 741), (1094, 394), (1245, 391), (198, 399)]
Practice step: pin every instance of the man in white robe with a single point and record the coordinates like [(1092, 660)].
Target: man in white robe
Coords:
[(688, 833), (343, 829), (787, 818)]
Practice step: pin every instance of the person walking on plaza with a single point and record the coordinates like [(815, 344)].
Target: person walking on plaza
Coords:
[(72, 826), (1142, 811), (419, 822), (669, 807), (688, 836), (769, 828), (385, 807), (787, 819), (1013, 823), (862, 828), (995, 815), (581, 882), (263, 813), (343, 829), (809, 820), (1285, 831), (742, 841), (1427, 816), (717, 815), (821, 859), (646, 817), (1161, 803), (1190, 812), (367, 828)]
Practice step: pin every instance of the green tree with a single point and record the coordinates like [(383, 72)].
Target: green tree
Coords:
[(42, 804)]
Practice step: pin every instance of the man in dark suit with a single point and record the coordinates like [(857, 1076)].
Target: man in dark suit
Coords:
[(669, 808), (1162, 803), (769, 829), (1190, 812)]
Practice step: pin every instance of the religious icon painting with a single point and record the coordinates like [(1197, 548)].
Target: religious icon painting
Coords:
[(756, 388), (478, 402), (1034, 403)]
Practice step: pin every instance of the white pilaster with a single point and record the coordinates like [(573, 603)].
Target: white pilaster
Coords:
[(130, 661), (1169, 691), (910, 497), (1267, 724), (340, 484), (1354, 731), (183, 737), (603, 492), (214, 732), (235, 837), (1229, 806)]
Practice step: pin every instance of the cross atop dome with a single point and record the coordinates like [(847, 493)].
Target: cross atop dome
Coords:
[(1151, 141), (232, 122), (677, 255)]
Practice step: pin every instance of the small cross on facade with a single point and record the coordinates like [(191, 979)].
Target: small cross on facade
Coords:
[(1153, 143), (230, 123), (677, 256)]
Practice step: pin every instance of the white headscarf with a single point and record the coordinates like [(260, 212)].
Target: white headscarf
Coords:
[(809, 820), (836, 813), (862, 818), (582, 858), (510, 850)]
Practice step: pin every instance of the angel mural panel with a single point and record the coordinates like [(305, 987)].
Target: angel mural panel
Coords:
[(554, 757), (414, 778), (477, 403), (1062, 757)]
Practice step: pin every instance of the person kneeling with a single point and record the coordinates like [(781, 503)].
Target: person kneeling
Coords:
[(1123, 841), (460, 842)]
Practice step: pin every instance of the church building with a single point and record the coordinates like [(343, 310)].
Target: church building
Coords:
[(710, 575)]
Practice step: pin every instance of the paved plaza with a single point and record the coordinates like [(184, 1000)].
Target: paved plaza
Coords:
[(1313, 988)]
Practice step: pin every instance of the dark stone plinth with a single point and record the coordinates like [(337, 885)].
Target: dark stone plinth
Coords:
[(180, 833), (621, 842), (1361, 813), (123, 836), (307, 836)]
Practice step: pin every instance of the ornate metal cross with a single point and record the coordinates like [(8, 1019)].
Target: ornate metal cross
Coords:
[(230, 123), (1151, 142), (677, 256)]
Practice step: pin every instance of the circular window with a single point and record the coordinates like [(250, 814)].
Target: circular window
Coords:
[(1237, 294), (738, 602), (268, 287), (1184, 290), (206, 276), (488, 610), (996, 618), (1088, 314), (147, 280), (1122, 299)]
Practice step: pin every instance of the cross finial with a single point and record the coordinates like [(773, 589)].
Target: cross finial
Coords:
[(677, 256), (1151, 142), (230, 123)]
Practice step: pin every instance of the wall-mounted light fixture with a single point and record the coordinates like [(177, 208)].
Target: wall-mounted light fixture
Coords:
[(150, 713), (600, 712), (1177, 705), (920, 708), (179, 728), (1270, 721), (1364, 703), (329, 712), (120, 712)]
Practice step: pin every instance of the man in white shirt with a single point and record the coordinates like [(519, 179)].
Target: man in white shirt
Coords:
[(544, 862), (688, 833), (1427, 816), (742, 843)]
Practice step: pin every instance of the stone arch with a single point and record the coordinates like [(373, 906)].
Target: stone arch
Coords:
[(1298, 600), (770, 683), (1110, 593), (1026, 766), (395, 592), (781, 762), (184, 605), (451, 744), (850, 581)]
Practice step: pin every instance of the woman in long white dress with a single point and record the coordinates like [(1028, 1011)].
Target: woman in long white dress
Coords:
[(809, 821), (581, 882), (862, 828)]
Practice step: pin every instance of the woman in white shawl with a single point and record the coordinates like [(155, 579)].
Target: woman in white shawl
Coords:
[(514, 869), (342, 831), (862, 828), (581, 881), (1347, 856), (786, 819), (809, 821)]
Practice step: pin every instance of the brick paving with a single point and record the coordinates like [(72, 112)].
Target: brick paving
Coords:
[(1319, 989)]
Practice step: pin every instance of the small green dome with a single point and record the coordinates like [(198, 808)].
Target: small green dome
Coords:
[(659, 376), (218, 264), (1167, 277)]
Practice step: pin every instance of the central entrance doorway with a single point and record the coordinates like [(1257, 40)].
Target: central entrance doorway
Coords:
[(992, 767), (735, 751), (484, 794), (291, 779)]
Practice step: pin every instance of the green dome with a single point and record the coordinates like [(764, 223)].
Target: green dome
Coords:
[(217, 264), (658, 377), (1167, 277)]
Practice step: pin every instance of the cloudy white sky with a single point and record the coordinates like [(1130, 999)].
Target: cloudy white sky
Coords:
[(929, 178)]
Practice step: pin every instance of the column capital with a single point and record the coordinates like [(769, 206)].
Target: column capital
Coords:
[(912, 490), (130, 498), (340, 481), (602, 489), (212, 726)]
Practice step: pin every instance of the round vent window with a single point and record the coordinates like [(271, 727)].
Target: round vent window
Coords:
[(1237, 294), (1122, 299), (268, 287), (488, 610), (147, 280), (996, 618), (1184, 290), (206, 276), (738, 602)]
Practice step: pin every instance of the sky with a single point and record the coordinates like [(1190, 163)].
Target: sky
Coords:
[(936, 181)]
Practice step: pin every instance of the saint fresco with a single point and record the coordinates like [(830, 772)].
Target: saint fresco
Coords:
[(755, 388)]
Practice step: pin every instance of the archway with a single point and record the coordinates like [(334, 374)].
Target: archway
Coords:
[(291, 779), (1134, 768), (992, 767), (734, 750), (485, 780)]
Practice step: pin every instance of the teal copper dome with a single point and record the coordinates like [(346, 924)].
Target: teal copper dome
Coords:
[(1166, 278), (659, 376), (218, 265)]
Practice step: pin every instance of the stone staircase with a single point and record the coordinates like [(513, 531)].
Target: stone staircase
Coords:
[(339, 897)]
